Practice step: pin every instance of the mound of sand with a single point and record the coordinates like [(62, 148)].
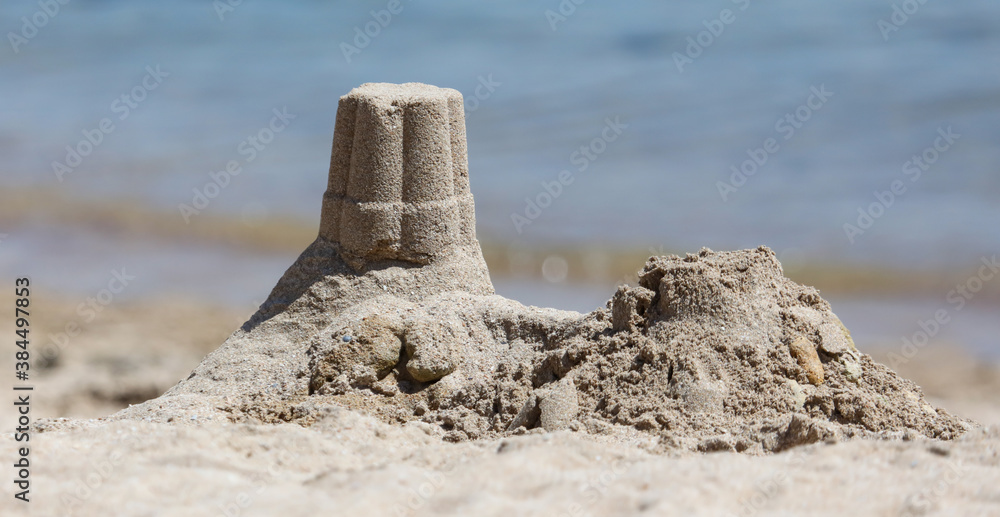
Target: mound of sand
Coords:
[(391, 311)]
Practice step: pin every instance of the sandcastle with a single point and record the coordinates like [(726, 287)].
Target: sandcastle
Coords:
[(391, 311)]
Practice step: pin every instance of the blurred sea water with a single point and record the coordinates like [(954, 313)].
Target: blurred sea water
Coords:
[(537, 89)]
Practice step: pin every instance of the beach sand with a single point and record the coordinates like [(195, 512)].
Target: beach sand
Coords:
[(349, 462)]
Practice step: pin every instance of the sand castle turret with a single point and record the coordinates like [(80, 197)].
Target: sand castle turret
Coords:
[(399, 176)]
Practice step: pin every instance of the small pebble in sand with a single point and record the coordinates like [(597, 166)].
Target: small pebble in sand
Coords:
[(805, 353)]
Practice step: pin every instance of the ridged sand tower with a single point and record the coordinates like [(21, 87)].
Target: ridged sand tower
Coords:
[(399, 176)]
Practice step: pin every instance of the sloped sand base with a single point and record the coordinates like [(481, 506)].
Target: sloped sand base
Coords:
[(348, 463), (714, 351)]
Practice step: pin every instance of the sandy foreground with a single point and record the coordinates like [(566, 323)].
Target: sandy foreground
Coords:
[(349, 463)]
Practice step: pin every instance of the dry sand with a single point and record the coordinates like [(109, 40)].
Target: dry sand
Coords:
[(343, 465), (383, 376)]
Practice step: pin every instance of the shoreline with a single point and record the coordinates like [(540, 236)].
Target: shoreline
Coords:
[(130, 221)]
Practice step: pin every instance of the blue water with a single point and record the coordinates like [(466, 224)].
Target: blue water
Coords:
[(654, 186)]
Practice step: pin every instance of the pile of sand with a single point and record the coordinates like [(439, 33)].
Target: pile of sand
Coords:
[(391, 311), (714, 351)]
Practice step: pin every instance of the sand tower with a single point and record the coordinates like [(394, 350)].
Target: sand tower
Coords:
[(399, 176)]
